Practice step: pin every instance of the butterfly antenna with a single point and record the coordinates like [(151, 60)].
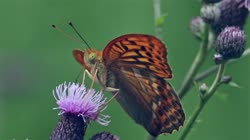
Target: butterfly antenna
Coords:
[(74, 28), (65, 34)]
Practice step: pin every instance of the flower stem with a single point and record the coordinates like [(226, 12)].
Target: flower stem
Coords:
[(203, 100), (198, 61), (213, 69), (157, 15)]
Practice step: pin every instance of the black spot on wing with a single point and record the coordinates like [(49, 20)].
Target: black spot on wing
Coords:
[(124, 46), (151, 60), (143, 48), (149, 54)]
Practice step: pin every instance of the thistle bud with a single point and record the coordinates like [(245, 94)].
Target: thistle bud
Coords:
[(210, 13), (247, 4), (227, 79), (197, 27), (104, 136), (203, 88), (232, 13), (231, 43), (218, 59), (211, 1)]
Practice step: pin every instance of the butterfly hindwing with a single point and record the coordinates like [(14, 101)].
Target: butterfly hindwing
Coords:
[(149, 100)]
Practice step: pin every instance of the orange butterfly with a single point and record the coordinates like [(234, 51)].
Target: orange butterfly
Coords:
[(136, 66)]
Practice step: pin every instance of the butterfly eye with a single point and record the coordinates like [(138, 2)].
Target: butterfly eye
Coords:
[(92, 57)]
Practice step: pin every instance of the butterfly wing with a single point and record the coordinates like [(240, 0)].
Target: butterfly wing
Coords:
[(79, 55), (139, 51), (144, 93)]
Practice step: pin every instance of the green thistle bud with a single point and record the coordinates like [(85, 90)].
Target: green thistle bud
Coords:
[(227, 79), (203, 88), (197, 27), (210, 13)]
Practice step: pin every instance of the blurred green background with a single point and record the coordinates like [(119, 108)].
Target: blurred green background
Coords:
[(34, 59)]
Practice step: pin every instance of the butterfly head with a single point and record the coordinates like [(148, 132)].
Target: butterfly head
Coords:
[(91, 57), (88, 58)]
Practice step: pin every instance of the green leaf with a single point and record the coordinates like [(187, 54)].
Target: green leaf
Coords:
[(233, 84), (161, 20)]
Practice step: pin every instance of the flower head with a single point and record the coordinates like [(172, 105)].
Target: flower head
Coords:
[(76, 99), (247, 4), (231, 43), (232, 13)]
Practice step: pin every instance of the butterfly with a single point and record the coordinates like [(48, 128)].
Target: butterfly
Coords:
[(136, 66)]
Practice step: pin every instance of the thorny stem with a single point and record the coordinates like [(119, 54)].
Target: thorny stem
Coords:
[(213, 69), (198, 61), (203, 100)]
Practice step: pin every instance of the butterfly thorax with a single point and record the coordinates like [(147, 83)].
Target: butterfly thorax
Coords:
[(93, 59)]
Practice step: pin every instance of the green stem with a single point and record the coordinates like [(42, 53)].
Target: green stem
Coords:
[(157, 15), (203, 100), (199, 59), (213, 69), (149, 137), (217, 82), (191, 121)]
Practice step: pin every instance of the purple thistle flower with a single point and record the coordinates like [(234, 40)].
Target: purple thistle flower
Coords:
[(76, 99), (77, 107), (231, 43), (247, 4), (232, 13)]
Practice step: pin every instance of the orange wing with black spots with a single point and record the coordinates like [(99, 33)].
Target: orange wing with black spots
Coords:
[(140, 66), (140, 51)]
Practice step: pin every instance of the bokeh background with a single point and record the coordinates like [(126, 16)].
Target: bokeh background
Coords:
[(34, 59)]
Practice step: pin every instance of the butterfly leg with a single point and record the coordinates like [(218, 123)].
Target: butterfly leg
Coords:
[(106, 103), (83, 77), (110, 89), (113, 97), (93, 80), (88, 73)]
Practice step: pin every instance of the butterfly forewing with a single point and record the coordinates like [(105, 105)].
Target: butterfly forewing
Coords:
[(141, 51), (140, 67)]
